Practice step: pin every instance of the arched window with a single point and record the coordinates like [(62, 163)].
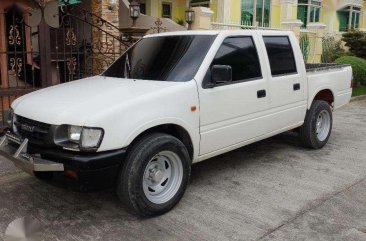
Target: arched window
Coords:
[(261, 12), (308, 11)]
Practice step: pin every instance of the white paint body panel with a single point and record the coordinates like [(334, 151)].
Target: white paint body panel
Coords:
[(228, 117), (337, 80)]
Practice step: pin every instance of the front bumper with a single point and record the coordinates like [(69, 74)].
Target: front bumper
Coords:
[(23, 160), (98, 169)]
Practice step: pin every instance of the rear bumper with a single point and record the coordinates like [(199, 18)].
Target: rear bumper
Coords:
[(98, 169)]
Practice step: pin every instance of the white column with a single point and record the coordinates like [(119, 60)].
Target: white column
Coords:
[(254, 23), (286, 9), (223, 11)]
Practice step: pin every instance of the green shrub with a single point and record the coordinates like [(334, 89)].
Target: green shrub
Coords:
[(305, 46), (332, 50), (358, 67), (180, 21)]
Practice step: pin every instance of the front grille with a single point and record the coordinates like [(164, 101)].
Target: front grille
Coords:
[(35, 131)]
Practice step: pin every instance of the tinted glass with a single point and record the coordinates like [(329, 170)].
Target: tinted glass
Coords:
[(241, 54), (168, 58), (281, 57)]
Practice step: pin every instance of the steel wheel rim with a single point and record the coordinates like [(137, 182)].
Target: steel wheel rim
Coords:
[(162, 177), (323, 125)]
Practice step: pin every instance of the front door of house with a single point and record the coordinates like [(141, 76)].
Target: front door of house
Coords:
[(19, 54)]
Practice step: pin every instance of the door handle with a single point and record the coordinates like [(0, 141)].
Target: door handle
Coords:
[(296, 86), (261, 93)]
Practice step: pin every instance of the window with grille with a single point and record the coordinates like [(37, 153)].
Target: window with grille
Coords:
[(308, 11), (167, 10), (349, 18), (258, 15)]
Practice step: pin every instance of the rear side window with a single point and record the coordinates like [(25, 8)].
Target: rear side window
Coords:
[(241, 54), (280, 54)]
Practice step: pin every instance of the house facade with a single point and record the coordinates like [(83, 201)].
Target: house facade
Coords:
[(313, 18), (46, 42), (337, 15)]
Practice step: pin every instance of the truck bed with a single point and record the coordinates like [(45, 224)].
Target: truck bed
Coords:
[(335, 77), (322, 67)]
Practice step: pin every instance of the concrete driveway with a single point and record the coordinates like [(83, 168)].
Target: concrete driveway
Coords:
[(271, 190)]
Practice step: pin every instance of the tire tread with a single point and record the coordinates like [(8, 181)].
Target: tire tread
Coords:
[(307, 136)]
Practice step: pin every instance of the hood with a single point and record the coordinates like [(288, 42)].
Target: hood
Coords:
[(74, 102)]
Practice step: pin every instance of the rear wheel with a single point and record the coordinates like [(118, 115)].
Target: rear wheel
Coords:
[(317, 126), (155, 175)]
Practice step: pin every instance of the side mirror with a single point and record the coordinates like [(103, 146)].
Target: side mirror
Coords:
[(221, 74)]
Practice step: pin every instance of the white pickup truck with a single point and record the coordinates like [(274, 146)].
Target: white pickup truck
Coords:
[(171, 100)]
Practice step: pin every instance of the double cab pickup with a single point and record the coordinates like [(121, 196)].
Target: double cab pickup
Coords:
[(169, 101)]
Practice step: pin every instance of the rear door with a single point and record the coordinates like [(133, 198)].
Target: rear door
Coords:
[(286, 80), (231, 112)]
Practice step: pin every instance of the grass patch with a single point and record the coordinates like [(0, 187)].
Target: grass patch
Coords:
[(360, 90)]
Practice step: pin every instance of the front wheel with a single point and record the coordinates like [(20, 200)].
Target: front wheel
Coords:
[(317, 126), (155, 175)]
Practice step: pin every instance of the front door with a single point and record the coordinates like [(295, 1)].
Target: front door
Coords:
[(231, 112)]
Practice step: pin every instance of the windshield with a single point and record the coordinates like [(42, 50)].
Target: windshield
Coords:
[(163, 58)]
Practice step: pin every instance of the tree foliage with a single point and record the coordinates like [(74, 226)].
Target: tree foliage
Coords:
[(356, 42)]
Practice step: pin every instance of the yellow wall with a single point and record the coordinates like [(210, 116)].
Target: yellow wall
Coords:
[(363, 17), (276, 14), (179, 9), (213, 7), (329, 16), (328, 13), (154, 8), (235, 11)]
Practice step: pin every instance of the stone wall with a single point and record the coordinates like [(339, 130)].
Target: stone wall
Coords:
[(104, 43)]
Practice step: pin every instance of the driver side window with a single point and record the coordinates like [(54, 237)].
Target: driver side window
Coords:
[(239, 53)]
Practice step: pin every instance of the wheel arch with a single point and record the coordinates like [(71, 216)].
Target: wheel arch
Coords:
[(178, 131), (325, 94)]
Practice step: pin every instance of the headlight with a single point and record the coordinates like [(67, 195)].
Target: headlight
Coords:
[(74, 133), (78, 138), (91, 137), (10, 117)]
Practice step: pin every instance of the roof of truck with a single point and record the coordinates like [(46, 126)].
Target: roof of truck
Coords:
[(217, 32)]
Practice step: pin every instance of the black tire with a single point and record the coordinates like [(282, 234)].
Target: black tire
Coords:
[(130, 180), (308, 132)]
